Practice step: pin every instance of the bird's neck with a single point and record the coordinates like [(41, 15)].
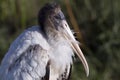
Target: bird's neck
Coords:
[(52, 34)]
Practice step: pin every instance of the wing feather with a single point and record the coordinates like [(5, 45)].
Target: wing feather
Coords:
[(27, 57)]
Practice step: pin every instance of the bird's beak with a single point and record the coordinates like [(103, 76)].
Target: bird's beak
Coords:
[(69, 36)]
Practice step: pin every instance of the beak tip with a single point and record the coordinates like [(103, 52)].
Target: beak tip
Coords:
[(86, 67), (87, 74), (87, 71)]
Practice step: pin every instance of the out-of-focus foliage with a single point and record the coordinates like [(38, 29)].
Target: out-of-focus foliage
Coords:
[(99, 24)]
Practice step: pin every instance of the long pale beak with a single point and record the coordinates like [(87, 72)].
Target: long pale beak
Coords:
[(69, 36)]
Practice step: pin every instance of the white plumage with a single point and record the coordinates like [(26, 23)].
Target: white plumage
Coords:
[(24, 62), (42, 54), (18, 58)]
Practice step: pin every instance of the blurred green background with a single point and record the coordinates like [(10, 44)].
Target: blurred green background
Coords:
[(97, 27)]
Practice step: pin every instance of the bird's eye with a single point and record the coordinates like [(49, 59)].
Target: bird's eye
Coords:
[(57, 16), (60, 16)]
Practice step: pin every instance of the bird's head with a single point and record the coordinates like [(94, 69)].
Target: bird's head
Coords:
[(52, 16)]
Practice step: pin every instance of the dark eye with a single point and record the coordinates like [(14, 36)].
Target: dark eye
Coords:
[(60, 16), (57, 17)]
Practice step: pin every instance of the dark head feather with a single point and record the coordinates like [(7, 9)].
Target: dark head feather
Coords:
[(45, 11)]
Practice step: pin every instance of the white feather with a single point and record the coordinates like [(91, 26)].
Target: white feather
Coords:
[(33, 66)]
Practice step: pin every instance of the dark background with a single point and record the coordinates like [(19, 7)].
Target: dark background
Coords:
[(97, 27)]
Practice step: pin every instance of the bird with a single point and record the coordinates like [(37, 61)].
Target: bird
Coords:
[(44, 51)]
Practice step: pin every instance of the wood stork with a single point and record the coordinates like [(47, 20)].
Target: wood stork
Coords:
[(43, 52)]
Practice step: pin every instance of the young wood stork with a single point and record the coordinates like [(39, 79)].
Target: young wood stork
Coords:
[(43, 52)]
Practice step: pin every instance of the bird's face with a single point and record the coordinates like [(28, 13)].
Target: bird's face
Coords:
[(55, 17), (51, 16)]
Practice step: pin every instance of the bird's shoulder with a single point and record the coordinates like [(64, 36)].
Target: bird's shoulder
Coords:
[(29, 37), (24, 45), (33, 35)]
